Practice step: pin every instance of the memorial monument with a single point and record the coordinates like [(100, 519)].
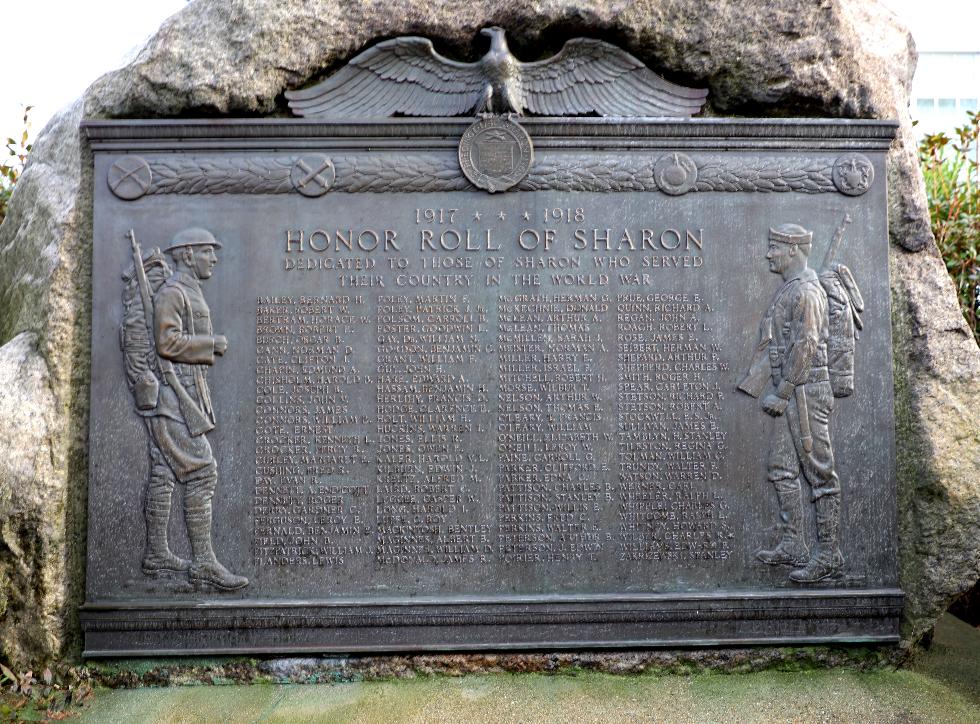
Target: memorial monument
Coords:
[(416, 373), (479, 376)]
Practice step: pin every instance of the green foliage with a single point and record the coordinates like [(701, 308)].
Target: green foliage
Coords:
[(25, 698), (951, 167), (11, 168)]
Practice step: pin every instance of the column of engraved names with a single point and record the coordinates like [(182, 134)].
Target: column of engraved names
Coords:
[(308, 511), (432, 412), (669, 443), (550, 420)]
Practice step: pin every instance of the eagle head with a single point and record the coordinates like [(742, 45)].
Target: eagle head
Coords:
[(496, 35)]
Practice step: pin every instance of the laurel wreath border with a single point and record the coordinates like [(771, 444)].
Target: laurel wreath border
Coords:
[(414, 173)]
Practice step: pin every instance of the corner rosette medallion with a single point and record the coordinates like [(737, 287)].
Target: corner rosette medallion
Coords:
[(675, 173), (853, 174)]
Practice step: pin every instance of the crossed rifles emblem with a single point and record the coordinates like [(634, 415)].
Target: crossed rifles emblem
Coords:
[(313, 175), (130, 177)]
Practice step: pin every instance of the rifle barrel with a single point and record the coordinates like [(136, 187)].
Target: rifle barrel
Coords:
[(144, 287), (836, 242)]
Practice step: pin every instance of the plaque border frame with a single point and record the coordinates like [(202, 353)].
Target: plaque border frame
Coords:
[(438, 134), (601, 621), (778, 616)]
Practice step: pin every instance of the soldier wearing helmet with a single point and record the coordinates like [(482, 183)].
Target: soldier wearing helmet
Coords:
[(179, 449)]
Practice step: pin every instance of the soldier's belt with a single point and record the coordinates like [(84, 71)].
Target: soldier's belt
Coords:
[(776, 359), (821, 348), (817, 374)]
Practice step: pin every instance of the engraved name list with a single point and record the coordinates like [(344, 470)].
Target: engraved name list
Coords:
[(379, 441)]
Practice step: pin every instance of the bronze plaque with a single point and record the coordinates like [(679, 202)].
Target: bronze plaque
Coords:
[(347, 400)]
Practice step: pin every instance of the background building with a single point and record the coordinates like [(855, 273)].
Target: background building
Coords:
[(946, 86), (947, 78)]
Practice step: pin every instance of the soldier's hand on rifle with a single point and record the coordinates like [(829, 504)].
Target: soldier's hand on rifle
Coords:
[(774, 405), (220, 344)]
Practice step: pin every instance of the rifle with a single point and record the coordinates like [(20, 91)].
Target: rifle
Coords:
[(834, 247), (197, 423)]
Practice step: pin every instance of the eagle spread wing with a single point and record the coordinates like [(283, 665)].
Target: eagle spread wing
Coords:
[(402, 75), (592, 76)]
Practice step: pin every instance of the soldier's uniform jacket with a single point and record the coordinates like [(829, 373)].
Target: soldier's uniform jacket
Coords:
[(795, 334), (797, 329), (183, 334)]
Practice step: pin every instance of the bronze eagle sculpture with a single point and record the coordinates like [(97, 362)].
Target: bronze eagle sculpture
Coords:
[(407, 76)]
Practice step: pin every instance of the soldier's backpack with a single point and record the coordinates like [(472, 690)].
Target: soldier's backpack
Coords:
[(844, 307), (139, 354)]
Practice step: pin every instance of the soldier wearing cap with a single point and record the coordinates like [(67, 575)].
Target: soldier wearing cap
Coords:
[(179, 448), (794, 338)]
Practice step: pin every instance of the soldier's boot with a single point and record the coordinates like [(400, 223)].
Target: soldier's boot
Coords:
[(827, 561), (205, 570), (791, 550), (157, 557)]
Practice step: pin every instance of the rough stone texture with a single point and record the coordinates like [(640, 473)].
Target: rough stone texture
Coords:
[(45, 278), (30, 533), (841, 58)]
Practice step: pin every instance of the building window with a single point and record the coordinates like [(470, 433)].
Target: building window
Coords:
[(947, 104), (925, 104), (968, 104)]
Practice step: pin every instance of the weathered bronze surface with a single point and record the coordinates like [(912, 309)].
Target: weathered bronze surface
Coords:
[(432, 417), (407, 76)]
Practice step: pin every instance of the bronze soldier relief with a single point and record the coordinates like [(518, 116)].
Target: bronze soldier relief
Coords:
[(168, 344), (806, 348)]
